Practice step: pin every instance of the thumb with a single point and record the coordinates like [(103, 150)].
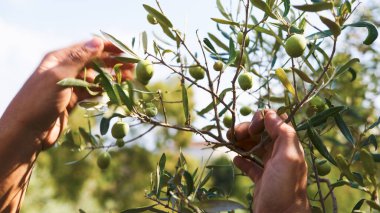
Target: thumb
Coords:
[(72, 59)]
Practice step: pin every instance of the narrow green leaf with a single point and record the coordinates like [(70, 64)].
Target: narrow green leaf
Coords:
[(223, 21), (344, 168), (119, 44), (315, 7), (303, 76), (158, 15), (286, 7), (221, 9), (104, 125), (332, 25), (320, 118), (162, 162), (346, 66), (209, 45), (316, 140), (263, 6), (368, 162), (211, 105), (73, 82), (370, 140), (372, 31), (343, 128), (126, 59), (232, 53), (130, 92), (358, 205), (145, 41), (106, 83), (189, 182), (185, 102), (87, 136), (281, 75), (124, 98), (218, 42), (206, 179)]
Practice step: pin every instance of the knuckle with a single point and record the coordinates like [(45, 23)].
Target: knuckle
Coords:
[(77, 55)]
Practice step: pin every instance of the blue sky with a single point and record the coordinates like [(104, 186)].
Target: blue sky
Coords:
[(31, 28)]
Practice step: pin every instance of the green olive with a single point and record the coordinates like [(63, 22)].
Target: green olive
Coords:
[(227, 121), (120, 143), (144, 71), (104, 160), (197, 72), (240, 39), (119, 130), (218, 66), (151, 19), (245, 110), (323, 167), (295, 45), (245, 81), (243, 60)]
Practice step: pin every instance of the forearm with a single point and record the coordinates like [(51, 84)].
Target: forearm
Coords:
[(19, 148)]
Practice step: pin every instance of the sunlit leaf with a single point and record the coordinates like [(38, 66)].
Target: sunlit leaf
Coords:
[(262, 5), (332, 25), (185, 103), (281, 75), (158, 15), (368, 163), (223, 21), (145, 41), (73, 82), (315, 7), (124, 98), (119, 44)]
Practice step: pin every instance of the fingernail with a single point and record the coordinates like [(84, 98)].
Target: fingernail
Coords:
[(94, 44)]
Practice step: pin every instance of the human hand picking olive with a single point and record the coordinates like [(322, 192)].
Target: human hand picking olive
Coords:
[(37, 115), (281, 185)]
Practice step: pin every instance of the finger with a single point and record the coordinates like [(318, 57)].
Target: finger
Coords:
[(71, 60), (249, 168), (241, 131), (257, 124), (278, 129), (111, 48)]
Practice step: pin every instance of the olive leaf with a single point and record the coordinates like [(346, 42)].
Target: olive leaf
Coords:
[(320, 6), (73, 82), (158, 15), (281, 75), (332, 25)]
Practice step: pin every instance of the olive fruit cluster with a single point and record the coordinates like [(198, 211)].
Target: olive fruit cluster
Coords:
[(144, 71)]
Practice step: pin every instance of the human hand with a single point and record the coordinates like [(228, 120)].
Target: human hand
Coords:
[(41, 107), (281, 185)]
